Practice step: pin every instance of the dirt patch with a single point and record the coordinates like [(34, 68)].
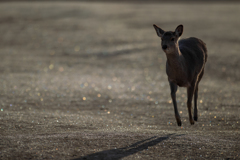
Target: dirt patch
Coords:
[(87, 81)]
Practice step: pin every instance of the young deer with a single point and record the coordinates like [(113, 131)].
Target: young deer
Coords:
[(186, 59)]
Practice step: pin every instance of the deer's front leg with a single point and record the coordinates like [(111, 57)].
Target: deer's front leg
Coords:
[(174, 88)]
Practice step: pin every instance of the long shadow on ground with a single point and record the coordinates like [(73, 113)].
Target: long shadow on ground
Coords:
[(120, 153)]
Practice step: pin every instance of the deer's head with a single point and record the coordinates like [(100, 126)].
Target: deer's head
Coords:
[(169, 38)]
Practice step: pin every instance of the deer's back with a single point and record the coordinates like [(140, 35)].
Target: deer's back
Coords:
[(195, 53)]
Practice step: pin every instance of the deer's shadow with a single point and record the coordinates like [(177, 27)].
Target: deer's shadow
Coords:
[(120, 153)]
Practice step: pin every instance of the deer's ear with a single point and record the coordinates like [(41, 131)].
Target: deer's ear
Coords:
[(159, 31), (179, 30)]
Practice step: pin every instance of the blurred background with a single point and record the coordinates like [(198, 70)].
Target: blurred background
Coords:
[(72, 43), (94, 65)]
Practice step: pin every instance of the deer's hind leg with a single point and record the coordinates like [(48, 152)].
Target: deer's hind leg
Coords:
[(190, 92), (174, 88), (195, 103), (196, 96)]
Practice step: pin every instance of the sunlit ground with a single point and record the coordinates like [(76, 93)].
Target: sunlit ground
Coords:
[(87, 80)]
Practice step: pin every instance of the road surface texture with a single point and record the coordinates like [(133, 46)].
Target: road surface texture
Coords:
[(85, 80)]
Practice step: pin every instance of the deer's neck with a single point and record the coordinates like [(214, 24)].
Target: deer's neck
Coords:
[(176, 62), (177, 70)]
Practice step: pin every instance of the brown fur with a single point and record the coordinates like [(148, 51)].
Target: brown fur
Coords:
[(186, 59)]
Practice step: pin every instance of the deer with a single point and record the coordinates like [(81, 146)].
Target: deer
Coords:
[(186, 59)]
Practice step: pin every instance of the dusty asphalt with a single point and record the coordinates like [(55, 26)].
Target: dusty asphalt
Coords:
[(87, 81)]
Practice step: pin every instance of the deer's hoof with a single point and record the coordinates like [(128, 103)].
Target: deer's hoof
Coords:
[(195, 118), (192, 121), (179, 123), (178, 119)]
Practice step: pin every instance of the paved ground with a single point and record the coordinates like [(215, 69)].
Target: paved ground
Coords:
[(87, 81)]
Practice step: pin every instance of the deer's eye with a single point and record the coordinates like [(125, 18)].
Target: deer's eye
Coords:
[(172, 39)]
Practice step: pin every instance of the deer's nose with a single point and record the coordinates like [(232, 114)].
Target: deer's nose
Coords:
[(164, 47)]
